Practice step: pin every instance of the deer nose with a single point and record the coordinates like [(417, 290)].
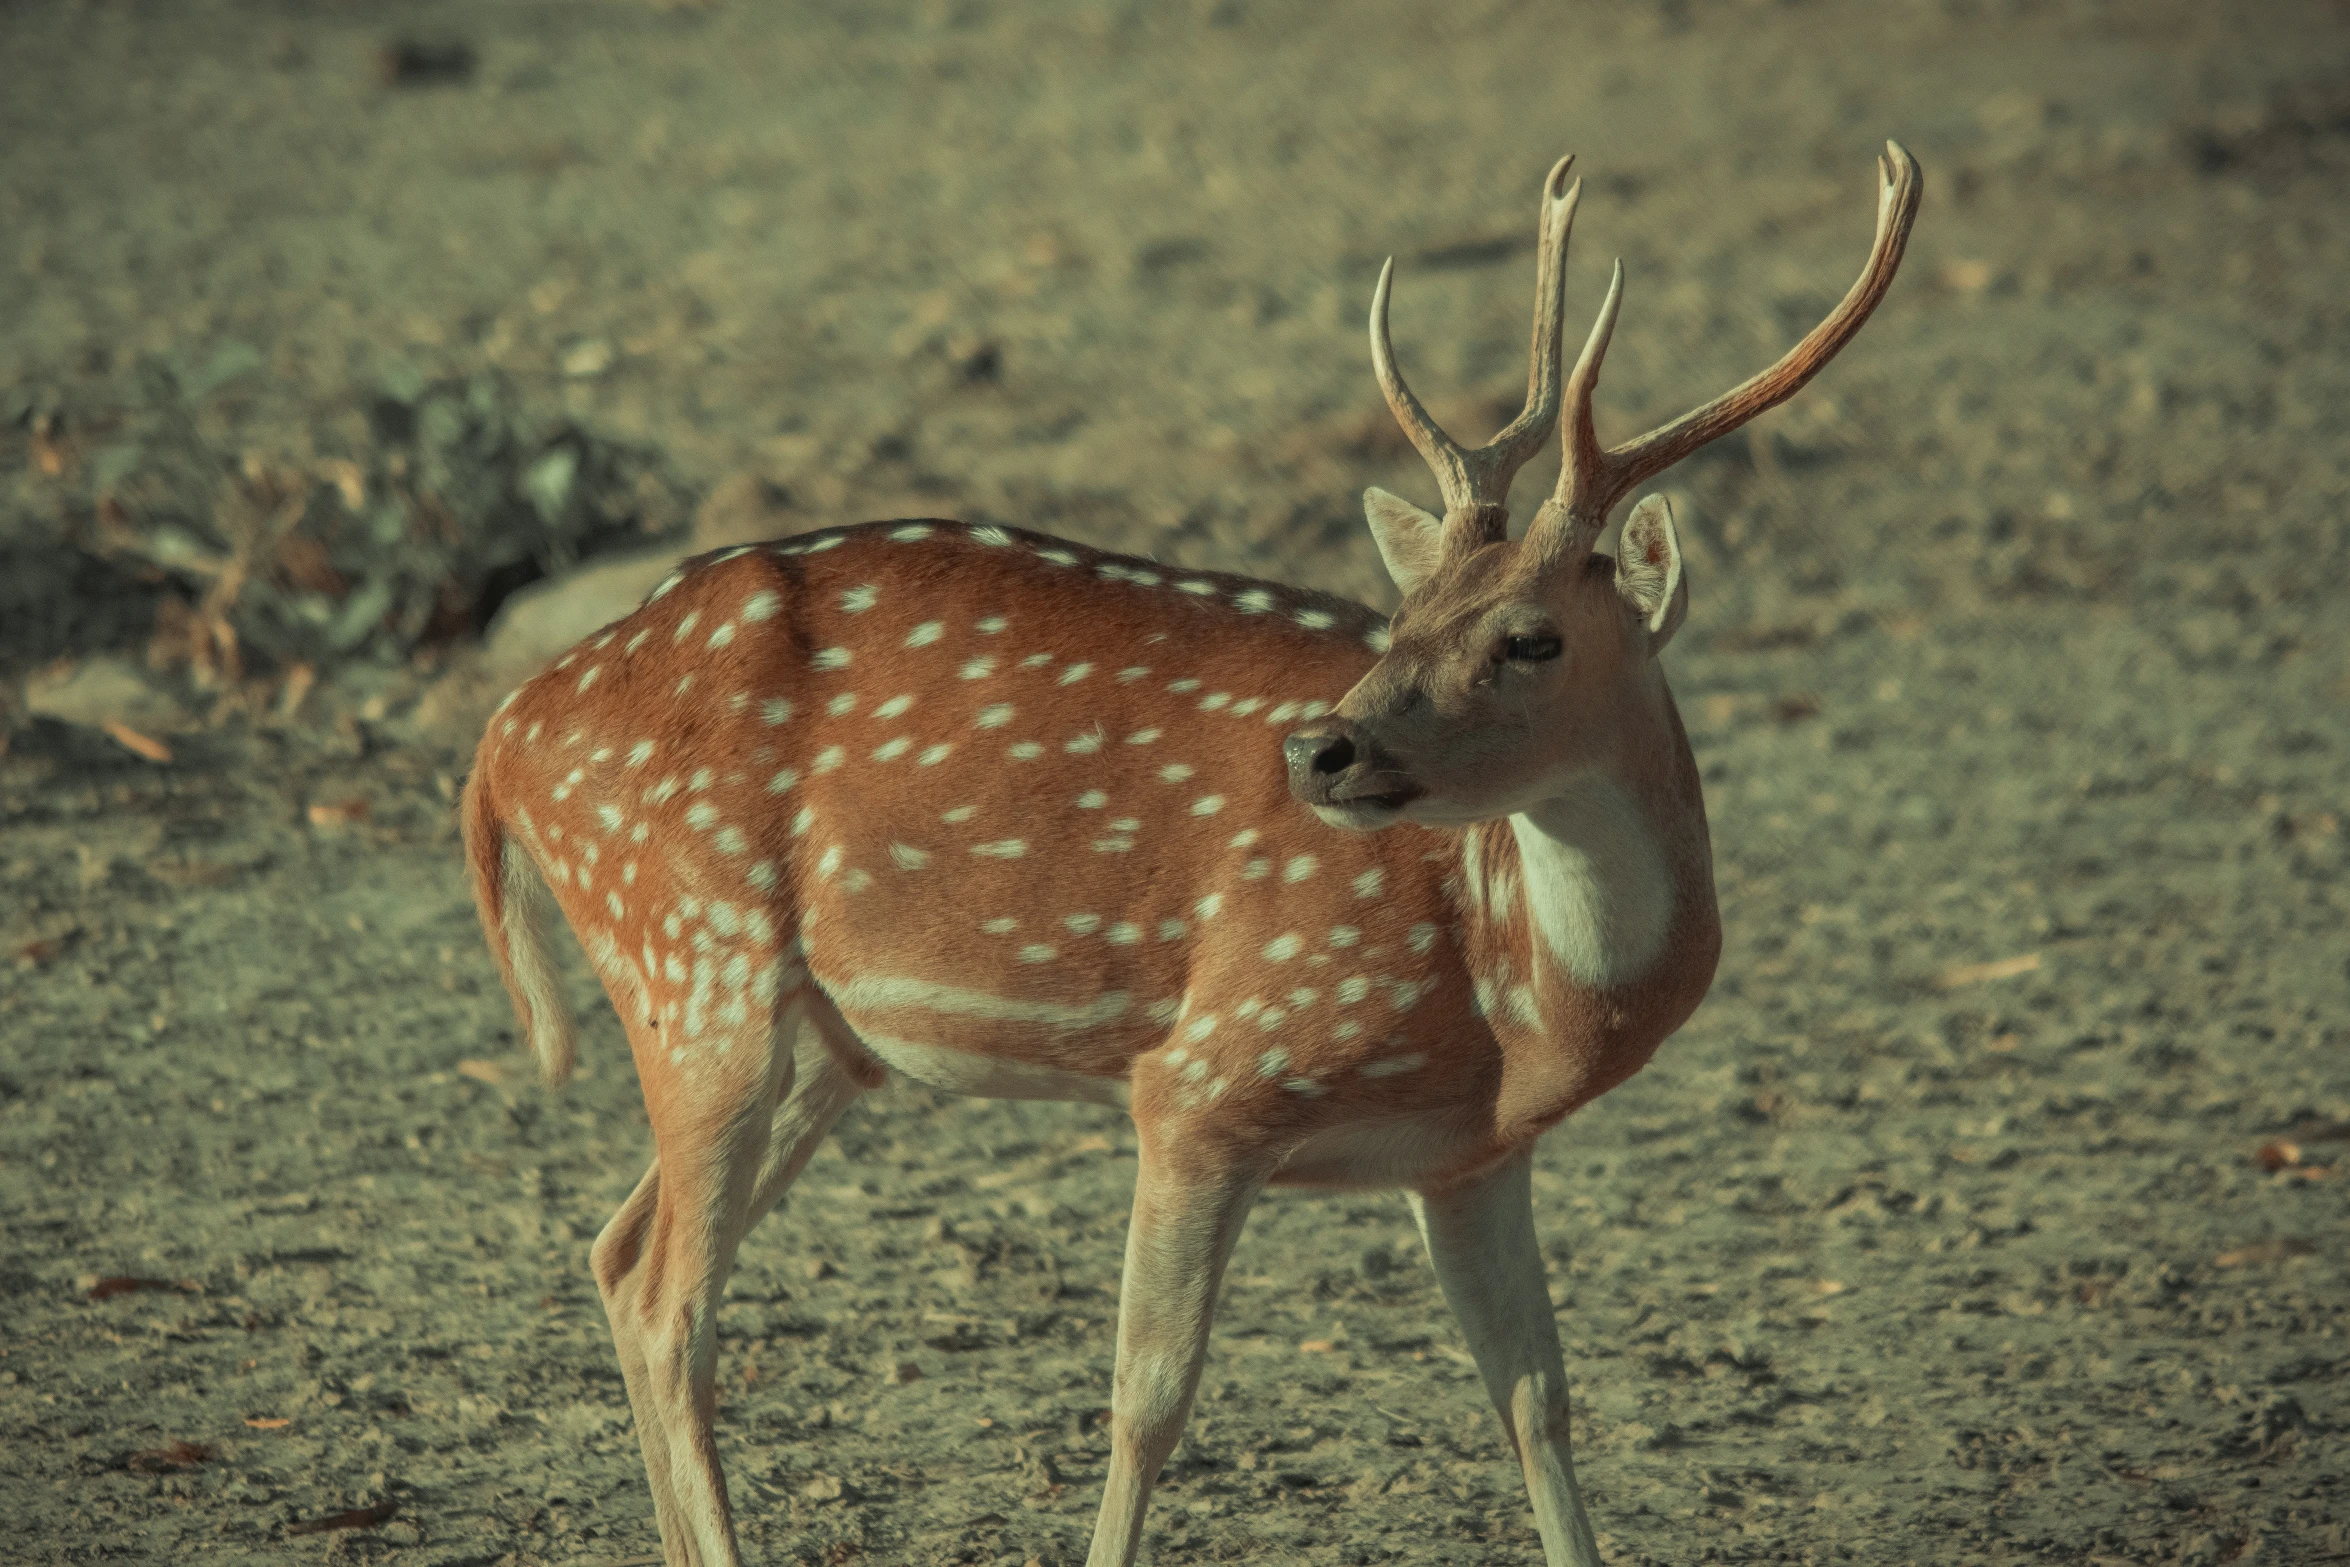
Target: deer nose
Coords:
[(1318, 754)]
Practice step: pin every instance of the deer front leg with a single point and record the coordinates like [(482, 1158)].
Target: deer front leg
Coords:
[(1480, 1237), (1187, 1215)]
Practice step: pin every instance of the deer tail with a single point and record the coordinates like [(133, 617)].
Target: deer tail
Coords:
[(517, 912)]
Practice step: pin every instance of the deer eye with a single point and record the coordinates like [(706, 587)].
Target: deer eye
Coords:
[(1531, 650)]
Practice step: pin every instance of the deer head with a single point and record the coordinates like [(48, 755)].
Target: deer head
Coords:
[(1513, 665)]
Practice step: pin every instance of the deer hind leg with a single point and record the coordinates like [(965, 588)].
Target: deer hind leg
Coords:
[(662, 1263), (1187, 1217), (830, 1069), (1481, 1239)]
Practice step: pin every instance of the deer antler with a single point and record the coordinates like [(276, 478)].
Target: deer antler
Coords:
[(1476, 483), (1593, 478)]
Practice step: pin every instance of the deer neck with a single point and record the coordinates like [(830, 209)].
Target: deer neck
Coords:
[(1596, 887), (1590, 888)]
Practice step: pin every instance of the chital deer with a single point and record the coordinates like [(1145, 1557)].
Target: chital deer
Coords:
[(1016, 817)]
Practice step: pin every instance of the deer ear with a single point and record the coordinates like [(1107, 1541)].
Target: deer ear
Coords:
[(1408, 537), (1648, 570)]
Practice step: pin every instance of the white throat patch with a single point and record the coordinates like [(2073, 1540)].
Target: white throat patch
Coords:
[(1597, 882)]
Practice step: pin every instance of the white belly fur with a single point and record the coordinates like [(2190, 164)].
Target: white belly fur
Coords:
[(988, 1077)]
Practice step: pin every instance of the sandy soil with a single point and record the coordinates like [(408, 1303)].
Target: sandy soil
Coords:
[(1990, 1210)]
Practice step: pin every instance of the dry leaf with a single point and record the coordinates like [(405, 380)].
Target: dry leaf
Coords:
[(2278, 1155), (131, 740), (171, 1456), (482, 1071), (1316, 1346), (126, 1284), (341, 813), (290, 696), (356, 1518), (1976, 973), (1092, 1143), (2264, 1251), (268, 1422)]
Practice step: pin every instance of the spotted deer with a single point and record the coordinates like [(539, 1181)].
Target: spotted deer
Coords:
[(1317, 898)]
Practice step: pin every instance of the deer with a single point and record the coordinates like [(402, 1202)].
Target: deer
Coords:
[(1317, 897)]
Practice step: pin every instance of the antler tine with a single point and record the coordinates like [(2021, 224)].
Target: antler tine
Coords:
[(1444, 456), (1525, 435), (1475, 482), (1593, 479), (1583, 465)]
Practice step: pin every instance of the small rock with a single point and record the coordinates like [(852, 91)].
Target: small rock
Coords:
[(542, 620), (744, 508), (591, 357), (97, 691)]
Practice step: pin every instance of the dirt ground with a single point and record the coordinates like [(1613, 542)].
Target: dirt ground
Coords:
[(1990, 1210)]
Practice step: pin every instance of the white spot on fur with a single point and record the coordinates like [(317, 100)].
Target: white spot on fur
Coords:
[(992, 717), (932, 755), (1175, 772), (775, 710), (846, 702), (1123, 934), (926, 633), (1002, 848), (831, 658), (639, 754), (828, 759), (1207, 805), (961, 813), (894, 706), (761, 605), (723, 635), (1206, 907), (1092, 800), (1001, 925), (859, 599), (977, 668), (1282, 948), (1073, 674), (783, 780), (1368, 883), (1395, 1064), (907, 857), (1299, 869)]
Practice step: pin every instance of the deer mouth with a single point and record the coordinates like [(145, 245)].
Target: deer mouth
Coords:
[(1381, 794), (1367, 805)]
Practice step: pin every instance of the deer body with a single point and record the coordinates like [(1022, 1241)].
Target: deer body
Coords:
[(1316, 897)]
